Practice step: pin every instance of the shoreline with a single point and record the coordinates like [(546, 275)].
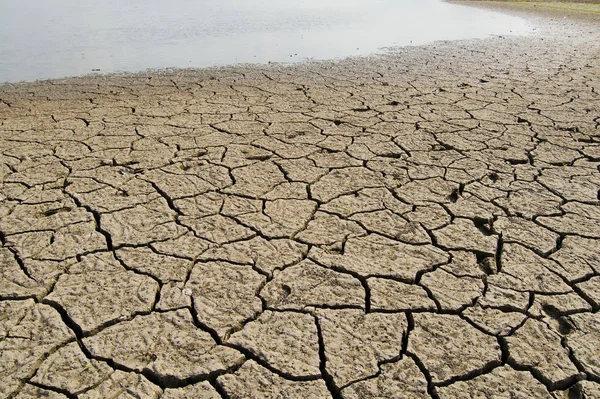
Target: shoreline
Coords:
[(537, 16)]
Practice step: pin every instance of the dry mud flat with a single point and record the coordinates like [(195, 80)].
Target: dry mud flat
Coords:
[(412, 226)]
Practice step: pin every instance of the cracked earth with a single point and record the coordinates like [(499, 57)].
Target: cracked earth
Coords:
[(418, 225)]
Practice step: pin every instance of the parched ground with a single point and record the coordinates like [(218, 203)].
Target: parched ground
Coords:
[(419, 225)]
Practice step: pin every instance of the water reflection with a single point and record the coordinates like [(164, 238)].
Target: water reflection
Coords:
[(54, 38)]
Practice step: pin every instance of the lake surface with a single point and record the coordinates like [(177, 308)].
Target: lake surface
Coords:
[(54, 38)]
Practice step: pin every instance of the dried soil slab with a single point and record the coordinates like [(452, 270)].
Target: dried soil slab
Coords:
[(355, 342), (494, 321), (344, 181), (578, 256), (252, 381), (164, 268), (327, 229), (402, 377), (524, 270), (302, 170), (185, 246), (256, 180), (574, 184), (218, 229), (463, 234), (282, 218), (122, 385), (266, 255), (201, 390), (287, 190), (306, 284), (562, 304), (586, 389), (225, 294), (366, 200), (591, 289), (124, 193), (235, 206), (179, 185), (471, 207), (527, 233), (504, 298), (173, 296), (535, 345), (287, 341), (31, 392), (375, 255), (99, 291), (168, 345), (580, 219), (431, 216), (14, 283), (452, 293), (450, 347), (145, 223), (30, 337), (502, 382), (584, 341), (331, 160), (45, 216), (58, 245), (530, 199), (391, 295), (69, 370), (202, 205), (428, 191), (11, 313), (466, 264), (391, 225)]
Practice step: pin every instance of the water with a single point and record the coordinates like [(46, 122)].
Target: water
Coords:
[(55, 38)]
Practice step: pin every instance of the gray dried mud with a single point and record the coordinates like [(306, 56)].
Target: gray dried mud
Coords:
[(423, 224)]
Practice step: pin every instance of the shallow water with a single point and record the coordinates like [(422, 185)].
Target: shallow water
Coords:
[(55, 38)]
